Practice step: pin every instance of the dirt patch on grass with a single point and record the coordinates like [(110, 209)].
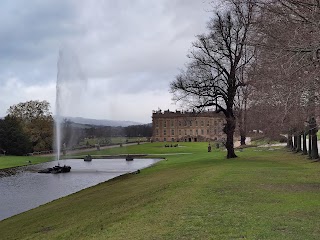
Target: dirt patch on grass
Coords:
[(45, 229)]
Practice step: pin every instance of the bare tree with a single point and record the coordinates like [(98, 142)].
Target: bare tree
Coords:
[(289, 32), (211, 77), (288, 39)]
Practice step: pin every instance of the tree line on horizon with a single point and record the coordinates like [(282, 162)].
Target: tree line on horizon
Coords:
[(29, 127), (258, 64)]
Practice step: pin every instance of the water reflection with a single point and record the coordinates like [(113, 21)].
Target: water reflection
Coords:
[(29, 189)]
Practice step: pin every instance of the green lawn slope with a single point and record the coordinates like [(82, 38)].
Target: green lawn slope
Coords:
[(262, 194), (16, 161)]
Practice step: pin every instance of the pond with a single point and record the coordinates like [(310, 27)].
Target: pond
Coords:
[(28, 189)]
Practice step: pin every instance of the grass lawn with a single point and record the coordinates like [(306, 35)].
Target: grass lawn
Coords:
[(155, 149), (260, 195), (14, 161), (112, 140)]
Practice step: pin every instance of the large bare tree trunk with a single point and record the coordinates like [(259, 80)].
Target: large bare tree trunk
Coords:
[(298, 149), (295, 142), (229, 130), (304, 143), (289, 140), (310, 144), (242, 133), (314, 148), (242, 140), (314, 142), (242, 125)]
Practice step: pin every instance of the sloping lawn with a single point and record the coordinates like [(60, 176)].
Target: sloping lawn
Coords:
[(261, 194), (15, 161)]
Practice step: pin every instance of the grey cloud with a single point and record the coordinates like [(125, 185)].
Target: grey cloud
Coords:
[(154, 40), (124, 47), (28, 27), (31, 33), (114, 36)]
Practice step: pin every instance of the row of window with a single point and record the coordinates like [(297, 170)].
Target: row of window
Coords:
[(165, 139), (187, 132), (186, 123)]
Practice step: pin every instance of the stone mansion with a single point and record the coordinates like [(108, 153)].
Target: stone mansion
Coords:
[(180, 126)]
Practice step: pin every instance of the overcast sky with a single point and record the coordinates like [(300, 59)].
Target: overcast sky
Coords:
[(129, 52)]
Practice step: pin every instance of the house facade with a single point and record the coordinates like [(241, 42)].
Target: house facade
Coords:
[(181, 126)]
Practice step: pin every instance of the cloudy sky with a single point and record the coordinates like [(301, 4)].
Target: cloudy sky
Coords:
[(128, 52)]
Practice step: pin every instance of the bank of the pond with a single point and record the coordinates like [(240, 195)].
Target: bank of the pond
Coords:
[(260, 195)]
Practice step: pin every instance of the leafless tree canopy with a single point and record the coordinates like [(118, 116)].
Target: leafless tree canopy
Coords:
[(287, 40)]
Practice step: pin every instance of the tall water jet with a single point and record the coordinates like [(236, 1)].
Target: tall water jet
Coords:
[(71, 83), (58, 123)]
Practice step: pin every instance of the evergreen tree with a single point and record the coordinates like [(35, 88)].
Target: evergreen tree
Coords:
[(13, 140)]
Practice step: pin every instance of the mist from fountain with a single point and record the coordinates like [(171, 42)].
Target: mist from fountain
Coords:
[(70, 87), (58, 124)]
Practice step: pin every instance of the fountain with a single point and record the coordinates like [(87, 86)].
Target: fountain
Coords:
[(69, 87), (58, 122)]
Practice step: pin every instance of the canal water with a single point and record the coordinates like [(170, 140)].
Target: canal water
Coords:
[(28, 189)]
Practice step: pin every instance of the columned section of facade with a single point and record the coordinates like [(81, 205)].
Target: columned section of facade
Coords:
[(187, 126)]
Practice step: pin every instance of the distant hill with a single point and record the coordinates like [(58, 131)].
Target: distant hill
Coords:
[(100, 122)]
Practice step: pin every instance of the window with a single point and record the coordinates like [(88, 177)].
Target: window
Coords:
[(165, 132), (196, 123), (197, 132), (172, 132), (179, 132), (202, 132), (208, 131), (172, 123), (190, 123), (179, 123), (185, 132), (157, 132), (157, 124), (164, 123), (201, 123), (164, 139), (208, 123)]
